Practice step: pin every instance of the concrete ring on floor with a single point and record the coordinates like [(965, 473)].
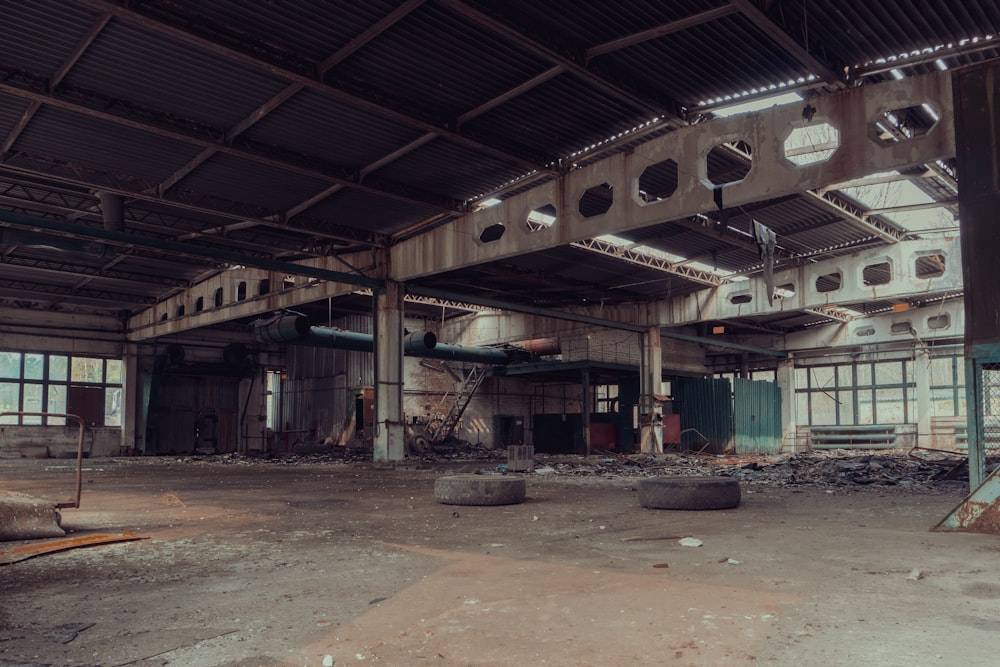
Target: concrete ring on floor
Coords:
[(24, 517), (689, 493), (479, 490)]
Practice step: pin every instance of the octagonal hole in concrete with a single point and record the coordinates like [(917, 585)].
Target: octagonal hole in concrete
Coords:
[(905, 123), (942, 321), (541, 218), (492, 233), (785, 291), (830, 282), (901, 328), (929, 266), (658, 181), (729, 162), (596, 200), (811, 143), (877, 274)]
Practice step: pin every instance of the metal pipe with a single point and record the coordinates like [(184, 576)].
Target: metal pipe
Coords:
[(479, 355), (296, 329), (219, 254), (79, 451)]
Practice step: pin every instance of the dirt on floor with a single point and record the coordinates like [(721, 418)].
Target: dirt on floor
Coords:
[(324, 562)]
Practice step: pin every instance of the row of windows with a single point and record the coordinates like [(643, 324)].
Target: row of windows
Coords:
[(884, 392), (89, 387)]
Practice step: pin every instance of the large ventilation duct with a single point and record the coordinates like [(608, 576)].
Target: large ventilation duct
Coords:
[(296, 329)]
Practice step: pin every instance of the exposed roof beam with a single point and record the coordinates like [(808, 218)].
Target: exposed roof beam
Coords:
[(609, 249), (924, 57), (289, 91), (309, 82), (567, 63), (188, 249), (22, 287), (106, 272), (914, 207), (181, 206), (785, 41), (205, 143), (56, 79), (858, 218), (660, 31)]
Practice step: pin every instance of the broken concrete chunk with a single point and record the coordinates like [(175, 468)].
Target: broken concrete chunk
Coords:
[(690, 542)]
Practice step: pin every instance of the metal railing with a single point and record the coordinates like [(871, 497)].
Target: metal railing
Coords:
[(79, 450)]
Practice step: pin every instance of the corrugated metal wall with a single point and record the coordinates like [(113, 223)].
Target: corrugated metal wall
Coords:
[(756, 416), (706, 410)]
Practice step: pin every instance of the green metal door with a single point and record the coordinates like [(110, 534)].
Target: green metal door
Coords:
[(706, 410), (756, 416)]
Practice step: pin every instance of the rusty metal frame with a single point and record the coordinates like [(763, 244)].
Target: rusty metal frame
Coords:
[(75, 502)]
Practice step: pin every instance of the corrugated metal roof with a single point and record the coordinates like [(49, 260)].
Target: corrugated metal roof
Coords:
[(40, 36), (312, 124), (360, 210), (458, 69), (405, 64), (237, 180), (103, 145), (454, 171), (131, 63)]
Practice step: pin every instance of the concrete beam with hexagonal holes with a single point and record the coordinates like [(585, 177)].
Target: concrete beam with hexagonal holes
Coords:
[(900, 272), (670, 177)]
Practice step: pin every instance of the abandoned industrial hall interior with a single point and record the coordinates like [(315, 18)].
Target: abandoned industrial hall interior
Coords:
[(496, 332)]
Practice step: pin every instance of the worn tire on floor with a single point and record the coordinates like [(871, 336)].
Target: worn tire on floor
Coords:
[(689, 493), (479, 490)]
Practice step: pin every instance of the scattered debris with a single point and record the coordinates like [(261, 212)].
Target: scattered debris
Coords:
[(23, 552), (64, 634), (921, 471), (642, 538), (915, 575), (733, 561), (690, 542), (327, 661), (661, 565)]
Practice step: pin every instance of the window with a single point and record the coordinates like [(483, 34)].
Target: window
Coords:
[(90, 387), (861, 393), (947, 379), (606, 398)]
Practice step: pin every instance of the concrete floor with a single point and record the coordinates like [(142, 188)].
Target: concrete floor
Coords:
[(264, 564)]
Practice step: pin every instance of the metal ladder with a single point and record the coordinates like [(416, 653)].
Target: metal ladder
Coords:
[(462, 399)]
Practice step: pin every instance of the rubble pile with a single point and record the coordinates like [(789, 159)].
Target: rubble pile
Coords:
[(915, 469), (823, 468)]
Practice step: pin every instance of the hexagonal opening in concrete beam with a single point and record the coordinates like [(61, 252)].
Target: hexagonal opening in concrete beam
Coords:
[(658, 181), (541, 218), (785, 291), (936, 322), (877, 274), (929, 266), (904, 124), (811, 142), (492, 233), (596, 200), (729, 162), (831, 282)]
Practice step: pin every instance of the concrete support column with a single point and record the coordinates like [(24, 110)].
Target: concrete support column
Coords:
[(585, 409), (977, 150), (389, 442), (789, 421), (131, 390), (650, 384), (922, 380)]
